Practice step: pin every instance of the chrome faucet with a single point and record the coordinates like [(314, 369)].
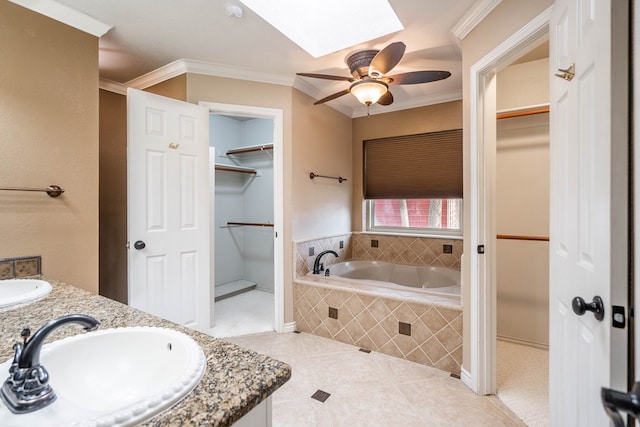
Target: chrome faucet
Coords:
[(27, 389), (317, 265)]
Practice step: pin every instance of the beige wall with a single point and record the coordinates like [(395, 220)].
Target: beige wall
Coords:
[(113, 196), (175, 88), (431, 118), (500, 24), (49, 134), (322, 144)]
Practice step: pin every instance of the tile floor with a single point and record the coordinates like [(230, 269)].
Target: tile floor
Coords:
[(368, 389)]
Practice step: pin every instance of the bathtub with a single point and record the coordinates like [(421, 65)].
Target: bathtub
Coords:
[(437, 281)]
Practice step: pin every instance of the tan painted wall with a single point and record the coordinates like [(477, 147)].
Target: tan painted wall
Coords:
[(49, 134), (113, 196), (431, 118), (322, 144), (500, 24), (175, 88)]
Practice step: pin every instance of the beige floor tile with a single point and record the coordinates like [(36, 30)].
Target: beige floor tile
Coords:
[(300, 413), (380, 406), (368, 389), (448, 402)]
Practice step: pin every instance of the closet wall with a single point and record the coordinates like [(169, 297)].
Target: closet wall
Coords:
[(243, 252), (522, 205)]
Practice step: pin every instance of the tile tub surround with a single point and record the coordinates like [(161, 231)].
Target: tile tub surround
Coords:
[(304, 261), (235, 381), (407, 250), (375, 323)]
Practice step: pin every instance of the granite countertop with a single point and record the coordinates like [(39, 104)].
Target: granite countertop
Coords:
[(235, 381)]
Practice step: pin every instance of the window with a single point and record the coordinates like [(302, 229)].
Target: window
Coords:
[(413, 183), (432, 216)]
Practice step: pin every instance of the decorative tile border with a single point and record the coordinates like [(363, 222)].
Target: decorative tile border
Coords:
[(424, 333), (12, 268)]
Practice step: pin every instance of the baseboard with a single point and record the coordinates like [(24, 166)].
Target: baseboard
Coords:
[(289, 327), (523, 342), (465, 377)]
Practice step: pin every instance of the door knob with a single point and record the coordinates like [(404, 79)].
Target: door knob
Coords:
[(616, 401), (596, 307), (139, 245)]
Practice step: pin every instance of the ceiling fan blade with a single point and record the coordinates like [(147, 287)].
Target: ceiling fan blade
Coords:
[(386, 99), (416, 77), (386, 59), (334, 96), (326, 77)]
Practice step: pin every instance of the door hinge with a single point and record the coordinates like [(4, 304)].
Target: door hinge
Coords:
[(480, 249)]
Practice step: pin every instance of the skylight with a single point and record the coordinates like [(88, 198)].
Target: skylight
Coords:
[(321, 27)]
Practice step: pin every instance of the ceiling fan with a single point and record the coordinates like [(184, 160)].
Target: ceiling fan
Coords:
[(369, 83)]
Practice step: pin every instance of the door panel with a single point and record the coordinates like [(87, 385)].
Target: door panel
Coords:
[(168, 175), (586, 240)]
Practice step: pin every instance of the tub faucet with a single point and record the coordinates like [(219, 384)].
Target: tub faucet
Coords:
[(27, 389), (317, 265)]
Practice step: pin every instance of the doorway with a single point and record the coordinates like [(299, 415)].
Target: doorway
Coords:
[(481, 374), (522, 239), (246, 245)]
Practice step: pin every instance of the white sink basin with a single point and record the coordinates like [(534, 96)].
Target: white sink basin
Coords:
[(114, 377), (17, 292)]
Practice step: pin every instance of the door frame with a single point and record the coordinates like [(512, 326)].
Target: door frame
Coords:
[(278, 186), (481, 377)]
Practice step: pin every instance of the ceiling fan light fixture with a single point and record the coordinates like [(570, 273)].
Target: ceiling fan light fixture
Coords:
[(369, 91)]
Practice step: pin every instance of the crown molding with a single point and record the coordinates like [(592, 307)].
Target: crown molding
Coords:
[(422, 101), (66, 15), (112, 86), (182, 66), (473, 17)]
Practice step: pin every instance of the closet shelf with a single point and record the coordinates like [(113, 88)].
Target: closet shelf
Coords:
[(250, 224), (250, 149), (233, 168)]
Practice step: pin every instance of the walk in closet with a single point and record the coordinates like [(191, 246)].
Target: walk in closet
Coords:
[(243, 253)]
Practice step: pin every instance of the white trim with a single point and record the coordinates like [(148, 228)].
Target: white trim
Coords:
[(465, 377), (277, 116), (159, 75), (473, 17), (288, 328), (307, 88), (482, 228), (67, 15), (112, 86)]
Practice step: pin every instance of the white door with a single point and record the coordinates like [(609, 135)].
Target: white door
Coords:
[(168, 208), (588, 209)]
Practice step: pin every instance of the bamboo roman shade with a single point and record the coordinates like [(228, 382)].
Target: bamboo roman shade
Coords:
[(424, 166)]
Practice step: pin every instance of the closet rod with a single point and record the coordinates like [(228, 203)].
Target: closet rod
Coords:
[(251, 224), (511, 114), (251, 149), (52, 190), (235, 169), (339, 178), (516, 237)]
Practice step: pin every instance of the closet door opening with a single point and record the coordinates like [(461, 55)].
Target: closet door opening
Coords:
[(522, 241), (246, 260)]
